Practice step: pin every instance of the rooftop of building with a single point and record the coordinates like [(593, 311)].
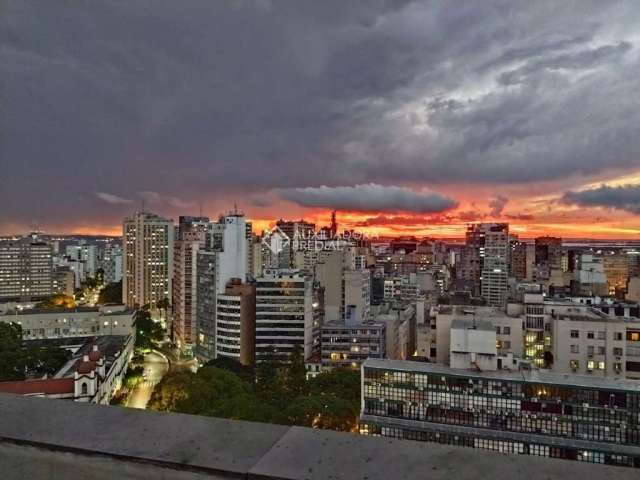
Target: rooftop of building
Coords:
[(52, 311), (106, 347), (526, 376), (470, 324), (471, 311), (61, 311), (349, 326), (44, 386), (74, 440)]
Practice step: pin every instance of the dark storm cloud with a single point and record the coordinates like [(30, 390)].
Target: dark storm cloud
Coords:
[(196, 98), (625, 197), (370, 198)]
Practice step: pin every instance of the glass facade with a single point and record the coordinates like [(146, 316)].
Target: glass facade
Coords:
[(513, 414)]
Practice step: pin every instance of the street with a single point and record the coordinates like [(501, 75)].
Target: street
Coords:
[(155, 367)]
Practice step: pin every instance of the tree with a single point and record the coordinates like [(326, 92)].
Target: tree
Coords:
[(246, 373), (16, 361), (280, 394), (211, 391), (111, 293), (46, 360), (13, 361), (147, 331), (339, 394)]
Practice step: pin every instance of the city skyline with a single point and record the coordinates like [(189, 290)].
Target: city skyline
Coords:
[(408, 118)]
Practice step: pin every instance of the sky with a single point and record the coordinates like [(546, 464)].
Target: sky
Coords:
[(408, 117)]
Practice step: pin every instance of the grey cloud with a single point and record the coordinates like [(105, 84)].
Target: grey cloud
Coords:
[(583, 59), (202, 99), (112, 199), (370, 197), (497, 204), (155, 198), (625, 197)]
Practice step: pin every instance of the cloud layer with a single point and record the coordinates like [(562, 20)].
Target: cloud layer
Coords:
[(624, 197), (370, 198), (212, 101)]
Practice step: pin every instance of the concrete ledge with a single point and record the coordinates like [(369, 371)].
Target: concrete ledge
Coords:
[(44, 438)]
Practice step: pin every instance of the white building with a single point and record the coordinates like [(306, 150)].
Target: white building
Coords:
[(223, 258), (473, 345), (87, 254), (93, 374), (111, 262), (508, 330)]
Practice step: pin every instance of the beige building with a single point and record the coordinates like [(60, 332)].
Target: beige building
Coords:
[(77, 322), (190, 238), (148, 260), (26, 269), (593, 343)]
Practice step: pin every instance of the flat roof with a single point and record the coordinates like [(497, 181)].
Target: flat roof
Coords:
[(526, 376), (68, 436), (472, 324)]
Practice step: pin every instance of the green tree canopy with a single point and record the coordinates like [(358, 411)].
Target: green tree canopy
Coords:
[(16, 360), (279, 394), (111, 293)]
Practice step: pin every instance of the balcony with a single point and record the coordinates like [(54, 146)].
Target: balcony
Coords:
[(44, 438)]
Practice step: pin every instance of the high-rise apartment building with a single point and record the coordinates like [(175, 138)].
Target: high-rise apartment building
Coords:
[(148, 259), (86, 254), (26, 269), (495, 264), (190, 237), (236, 322), (110, 261), (224, 257), (549, 251), (284, 314), (299, 233)]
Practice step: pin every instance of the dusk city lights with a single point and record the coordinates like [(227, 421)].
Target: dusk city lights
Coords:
[(319, 239)]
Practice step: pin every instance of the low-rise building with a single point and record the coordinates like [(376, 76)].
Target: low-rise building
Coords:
[(76, 322), (526, 412), (348, 345), (93, 374)]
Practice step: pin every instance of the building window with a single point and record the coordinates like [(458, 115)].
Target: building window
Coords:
[(575, 334), (601, 365), (590, 335), (575, 348), (617, 351), (602, 335), (498, 330), (618, 336), (574, 364), (590, 350), (84, 388), (591, 365), (506, 330)]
